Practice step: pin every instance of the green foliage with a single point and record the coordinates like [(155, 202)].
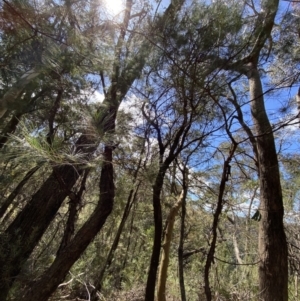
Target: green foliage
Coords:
[(77, 50)]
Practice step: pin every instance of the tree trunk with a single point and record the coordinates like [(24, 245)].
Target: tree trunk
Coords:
[(24, 233), (217, 214), (181, 241), (132, 253), (151, 281), (16, 191), (57, 272), (10, 128), (164, 261), (273, 266), (74, 203), (10, 98), (98, 283), (17, 243)]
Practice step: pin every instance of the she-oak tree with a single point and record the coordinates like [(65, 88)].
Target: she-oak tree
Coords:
[(28, 227), (242, 58)]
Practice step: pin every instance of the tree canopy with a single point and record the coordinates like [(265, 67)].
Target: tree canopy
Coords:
[(149, 150)]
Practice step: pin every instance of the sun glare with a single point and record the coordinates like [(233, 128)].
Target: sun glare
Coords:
[(114, 7)]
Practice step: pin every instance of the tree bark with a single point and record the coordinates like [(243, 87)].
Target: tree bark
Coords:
[(129, 239), (57, 272), (273, 266), (164, 261), (23, 234)]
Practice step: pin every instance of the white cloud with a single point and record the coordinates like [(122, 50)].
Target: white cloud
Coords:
[(133, 106), (95, 97)]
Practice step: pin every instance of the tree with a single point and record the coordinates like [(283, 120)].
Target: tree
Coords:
[(197, 72), (63, 178), (273, 267)]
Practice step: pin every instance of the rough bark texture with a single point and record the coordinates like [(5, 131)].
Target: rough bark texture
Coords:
[(164, 261), (273, 266), (19, 239)]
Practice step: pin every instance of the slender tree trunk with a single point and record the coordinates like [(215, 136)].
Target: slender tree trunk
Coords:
[(151, 281), (10, 128), (181, 241), (16, 191), (164, 261), (74, 203), (236, 248), (129, 239), (273, 266), (175, 148), (220, 203), (131, 199)]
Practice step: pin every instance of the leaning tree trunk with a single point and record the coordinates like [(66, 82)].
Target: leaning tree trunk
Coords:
[(216, 219), (74, 204), (273, 265), (16, 191), (50, 280), (130, 201), (57, 272), (98, 282), (24, 233)]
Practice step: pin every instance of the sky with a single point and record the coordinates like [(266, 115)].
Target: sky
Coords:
[(273, 102)]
